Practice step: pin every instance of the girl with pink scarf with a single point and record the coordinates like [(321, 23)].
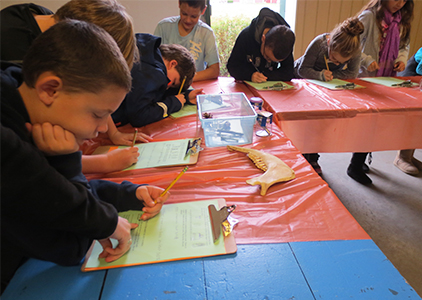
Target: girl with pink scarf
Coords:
[(385, 49)]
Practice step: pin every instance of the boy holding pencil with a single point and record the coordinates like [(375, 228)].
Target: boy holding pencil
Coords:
[(160, 83), (61, 97)]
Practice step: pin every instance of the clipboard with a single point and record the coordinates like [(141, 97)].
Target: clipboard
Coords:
[(270, 85), (161, 154), (336, 84), (155, 241), (390, 81)]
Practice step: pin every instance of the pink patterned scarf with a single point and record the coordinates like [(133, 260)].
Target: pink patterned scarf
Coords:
[(390, 43)]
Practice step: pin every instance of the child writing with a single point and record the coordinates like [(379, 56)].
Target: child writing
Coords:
[(196, 36), (331, 55), (22, 23), (156, 83), (263, 50), (339, 50), (49, 210), (385, 48)]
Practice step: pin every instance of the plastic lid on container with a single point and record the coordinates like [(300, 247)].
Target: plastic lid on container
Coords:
[(256, 100)]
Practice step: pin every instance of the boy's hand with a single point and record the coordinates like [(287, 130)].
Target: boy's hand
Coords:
[(150, 195), (122, 235), (373, 66), (258, 77), (193, 94), (126, 139), (328, 75), (120, 159), (53, 139), (181, 98), (399, 66)]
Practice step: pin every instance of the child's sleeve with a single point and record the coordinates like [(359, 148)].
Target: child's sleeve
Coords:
[(237, 65), (37, 193), (306, 64), (367, 20)]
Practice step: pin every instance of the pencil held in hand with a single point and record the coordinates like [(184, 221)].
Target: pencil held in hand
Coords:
[(135, 134), (326, 63), (181, 86), (174, 181)]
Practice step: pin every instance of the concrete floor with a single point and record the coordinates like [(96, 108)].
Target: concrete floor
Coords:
[(390, 210)]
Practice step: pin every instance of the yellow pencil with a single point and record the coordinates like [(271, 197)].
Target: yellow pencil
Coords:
[(326, 63), (181, 86), (134, 137), (174, 181)]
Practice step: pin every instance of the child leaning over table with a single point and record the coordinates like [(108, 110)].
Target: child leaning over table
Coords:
[(331, 55), (340, 50), (385, 48), (22, 23), (156, 82), (59, 99)]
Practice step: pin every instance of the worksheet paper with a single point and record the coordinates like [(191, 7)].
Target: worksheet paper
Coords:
[(158, 154), (179, 231)]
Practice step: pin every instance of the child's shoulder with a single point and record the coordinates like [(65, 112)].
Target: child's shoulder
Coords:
[(169, 20), (203, 26)]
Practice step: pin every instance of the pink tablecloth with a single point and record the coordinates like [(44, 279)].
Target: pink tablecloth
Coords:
[(303, 209), (376, 118)]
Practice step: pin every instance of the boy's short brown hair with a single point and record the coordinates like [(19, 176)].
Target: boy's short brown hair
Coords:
[(109, 15), (185, 62), (84, 56), (194, 3), (280, 39)]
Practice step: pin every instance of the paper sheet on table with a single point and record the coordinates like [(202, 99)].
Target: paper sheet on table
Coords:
[(269, 85), (386, 81), (179, 231), (187, 110), (332, 85), (166, 153)]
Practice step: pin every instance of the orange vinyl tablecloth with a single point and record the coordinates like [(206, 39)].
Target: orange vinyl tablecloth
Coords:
[(303, 209), (376, 118)]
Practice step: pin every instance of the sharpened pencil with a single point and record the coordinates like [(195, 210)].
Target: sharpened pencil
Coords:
[(181, 86), (135, 134), (174, 181), (326, 63)]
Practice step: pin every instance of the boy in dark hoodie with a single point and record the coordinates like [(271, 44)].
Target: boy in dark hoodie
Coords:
[(156, 82), (263, 50), (61, 97)]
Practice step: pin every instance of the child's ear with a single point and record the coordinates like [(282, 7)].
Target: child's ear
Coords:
[(48, 87), (173, 63)]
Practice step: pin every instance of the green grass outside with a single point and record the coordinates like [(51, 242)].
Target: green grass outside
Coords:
[(226, 31)]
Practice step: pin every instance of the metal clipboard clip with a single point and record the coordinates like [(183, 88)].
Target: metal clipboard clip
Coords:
[(406, 83), (193, 147), (347, 86), (218, 218)]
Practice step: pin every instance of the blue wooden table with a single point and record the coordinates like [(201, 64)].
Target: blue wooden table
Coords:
[(299, 270)]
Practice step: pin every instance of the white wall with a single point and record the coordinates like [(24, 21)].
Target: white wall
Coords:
[(145, 13)]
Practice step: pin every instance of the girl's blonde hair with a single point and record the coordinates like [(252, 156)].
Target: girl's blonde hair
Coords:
[(109, 15), (345, 38), (378, 6)]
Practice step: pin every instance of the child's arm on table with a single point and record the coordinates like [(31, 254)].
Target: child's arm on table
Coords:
[(125, 139), (150, 195), (54, 140)]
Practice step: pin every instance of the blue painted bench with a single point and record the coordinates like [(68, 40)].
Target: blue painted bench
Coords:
[(300, 270)]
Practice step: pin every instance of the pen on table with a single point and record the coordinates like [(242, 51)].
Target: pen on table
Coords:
[(181, 86), (134, 137), (174, 181), (326, 63)]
